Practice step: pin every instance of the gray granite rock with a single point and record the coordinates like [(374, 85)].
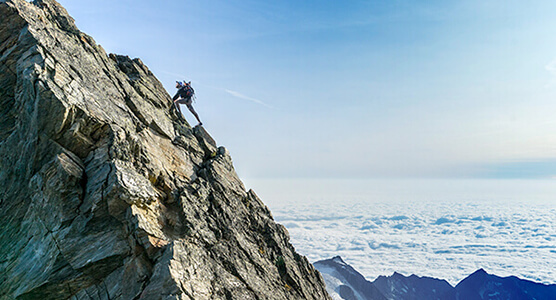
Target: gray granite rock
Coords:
[(106, 193)]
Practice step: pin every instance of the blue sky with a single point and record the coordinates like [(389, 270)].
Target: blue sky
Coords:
[(354, 89)]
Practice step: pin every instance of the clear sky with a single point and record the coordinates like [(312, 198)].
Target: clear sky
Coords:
[(354, 89)]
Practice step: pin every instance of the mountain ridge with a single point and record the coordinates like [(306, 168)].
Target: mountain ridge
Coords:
[(477, 286), (107, 193)]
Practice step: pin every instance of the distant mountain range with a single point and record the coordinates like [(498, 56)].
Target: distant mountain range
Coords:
[(345, 283)]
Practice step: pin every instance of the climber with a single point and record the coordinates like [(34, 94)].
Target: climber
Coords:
[(185, 96)]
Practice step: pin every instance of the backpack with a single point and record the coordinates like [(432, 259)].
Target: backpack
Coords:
[(188, 91)]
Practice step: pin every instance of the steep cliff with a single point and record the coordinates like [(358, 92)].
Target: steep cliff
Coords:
[(106, 193)]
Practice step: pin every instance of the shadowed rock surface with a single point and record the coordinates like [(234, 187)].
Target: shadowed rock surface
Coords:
[(106, 193), (344, 282), (412, 287), (483, 286)]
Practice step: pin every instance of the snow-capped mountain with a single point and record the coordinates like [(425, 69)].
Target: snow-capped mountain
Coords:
[(344, 282)]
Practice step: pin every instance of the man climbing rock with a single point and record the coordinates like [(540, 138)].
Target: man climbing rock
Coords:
[(185, 96)]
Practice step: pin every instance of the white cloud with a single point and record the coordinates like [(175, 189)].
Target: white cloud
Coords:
[(439, 228), (242, 96)]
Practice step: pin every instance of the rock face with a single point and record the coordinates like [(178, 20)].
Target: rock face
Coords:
[(106, 193)]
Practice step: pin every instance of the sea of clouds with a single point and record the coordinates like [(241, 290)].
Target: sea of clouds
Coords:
[(442, 229)]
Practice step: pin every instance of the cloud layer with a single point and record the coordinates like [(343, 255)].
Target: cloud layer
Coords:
[(448, 237)]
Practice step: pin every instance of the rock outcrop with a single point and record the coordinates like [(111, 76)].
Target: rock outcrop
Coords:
[(106, 193)]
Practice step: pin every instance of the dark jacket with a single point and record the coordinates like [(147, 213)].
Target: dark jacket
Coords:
[(185, 92)]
